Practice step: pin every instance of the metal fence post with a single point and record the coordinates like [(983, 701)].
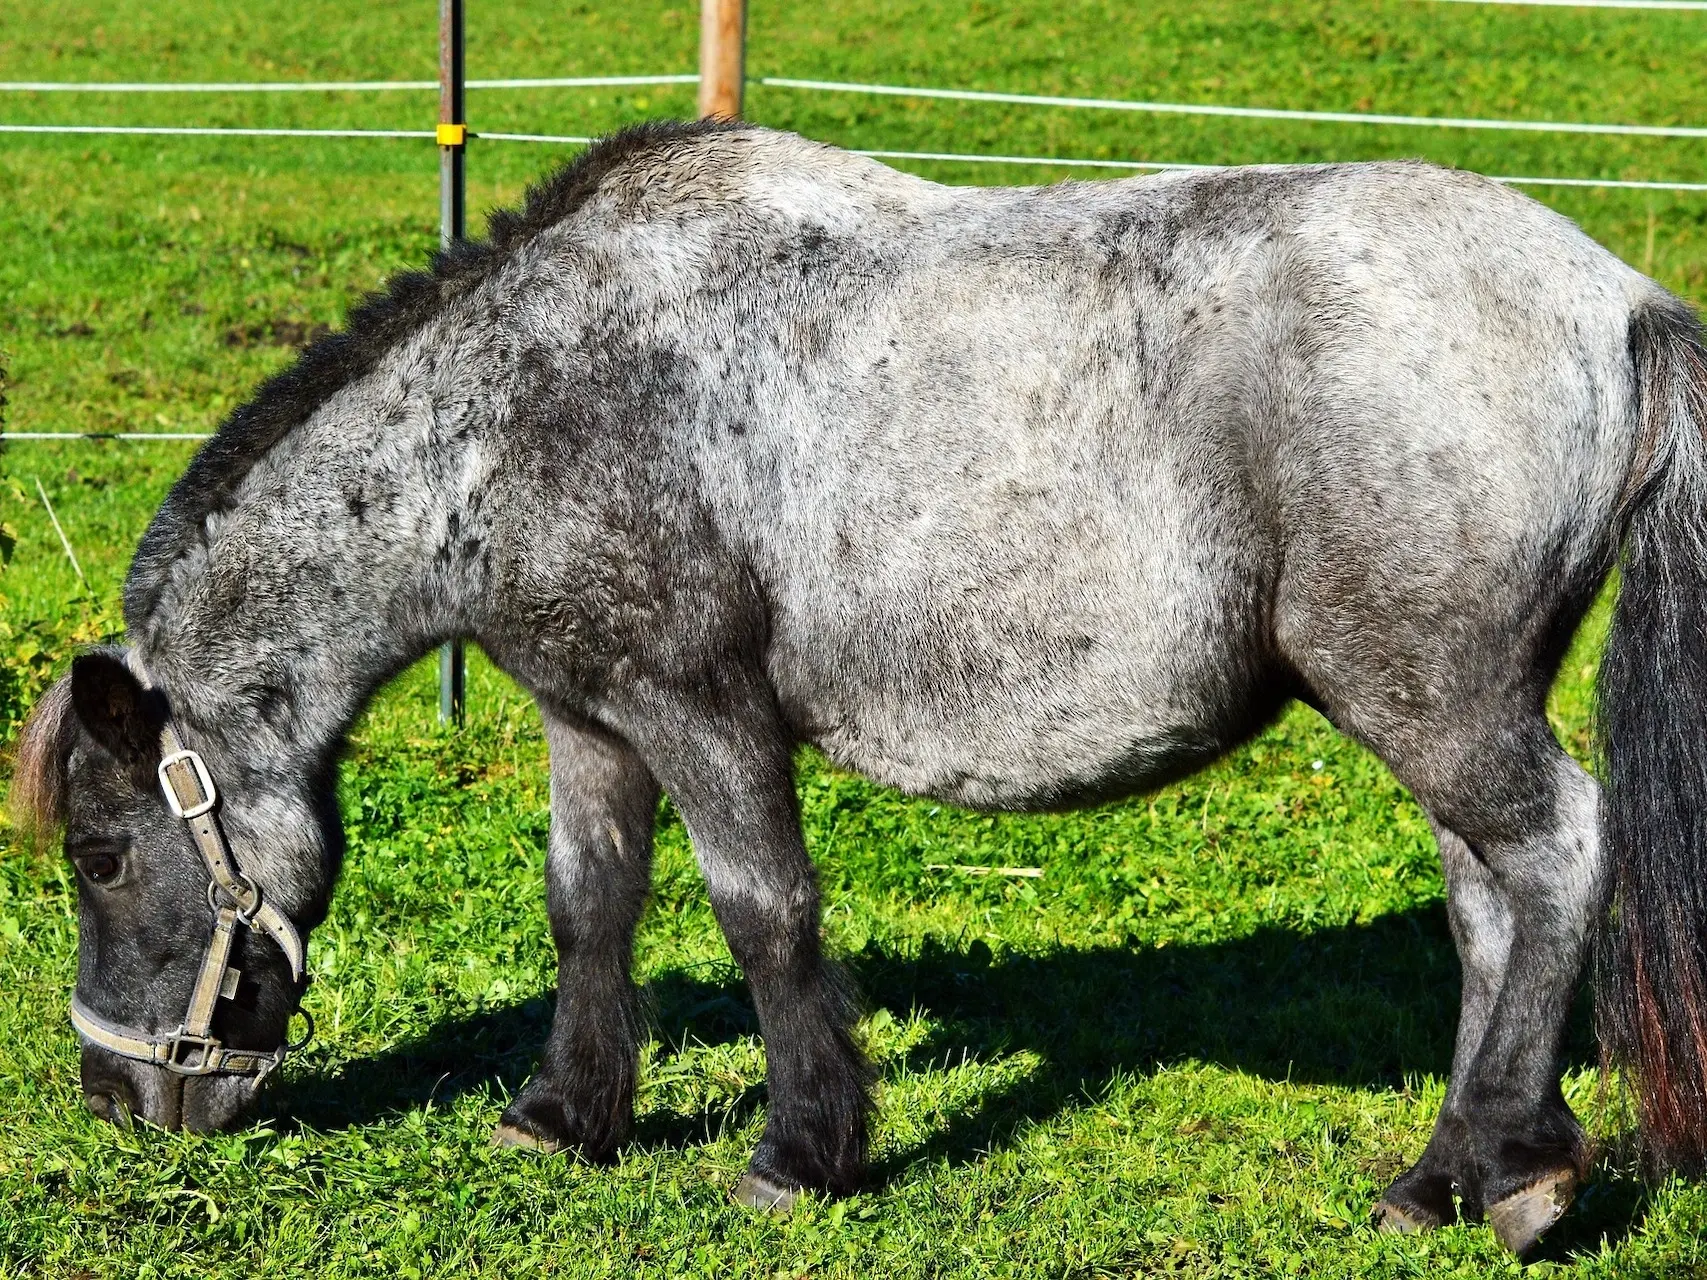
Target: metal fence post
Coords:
[(453, 144), (722, 57)]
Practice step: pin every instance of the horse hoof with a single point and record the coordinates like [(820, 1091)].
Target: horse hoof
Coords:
[(1390, 1218), (759, 1192), (1520, 1220), (507, 1135)]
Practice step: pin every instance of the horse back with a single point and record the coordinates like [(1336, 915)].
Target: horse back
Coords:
[(1049, 494)]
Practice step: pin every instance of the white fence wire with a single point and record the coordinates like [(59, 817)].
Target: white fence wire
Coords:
[(188, 131), (326, 86), (908, 91), (837, 86), (1598, 4), (964, 157), (1248, 113)]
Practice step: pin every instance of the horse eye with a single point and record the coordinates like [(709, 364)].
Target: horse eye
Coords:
[(99, 867)]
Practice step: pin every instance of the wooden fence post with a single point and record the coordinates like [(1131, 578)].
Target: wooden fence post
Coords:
[(722, 57)]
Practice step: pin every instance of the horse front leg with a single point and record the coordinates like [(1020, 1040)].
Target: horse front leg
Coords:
[(729, 773), (597, 874)]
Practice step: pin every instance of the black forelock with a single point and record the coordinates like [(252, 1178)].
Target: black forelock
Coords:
[(382, 320)]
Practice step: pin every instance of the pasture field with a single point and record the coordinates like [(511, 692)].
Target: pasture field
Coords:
[(1198, 1044)]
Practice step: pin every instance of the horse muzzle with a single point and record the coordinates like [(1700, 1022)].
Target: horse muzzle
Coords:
[(123, 1090)]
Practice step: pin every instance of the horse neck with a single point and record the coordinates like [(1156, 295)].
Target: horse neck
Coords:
[(351, 549)]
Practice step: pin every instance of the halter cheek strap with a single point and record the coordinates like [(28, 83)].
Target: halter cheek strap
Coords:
[(235, 900)]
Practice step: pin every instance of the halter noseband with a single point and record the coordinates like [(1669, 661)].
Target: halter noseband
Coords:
[(234, 899)]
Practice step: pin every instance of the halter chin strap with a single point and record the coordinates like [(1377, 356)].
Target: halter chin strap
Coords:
[(235, 900)]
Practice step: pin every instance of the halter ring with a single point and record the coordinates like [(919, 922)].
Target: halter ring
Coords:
[(292, 1046), (251, 892)]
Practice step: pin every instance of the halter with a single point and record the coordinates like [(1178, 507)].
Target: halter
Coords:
[(234, 899)]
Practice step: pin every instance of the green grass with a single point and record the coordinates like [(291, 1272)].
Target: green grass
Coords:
[(1199, 1044)]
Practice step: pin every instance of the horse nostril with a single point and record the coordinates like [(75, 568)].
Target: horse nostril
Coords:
[(110, 1107)]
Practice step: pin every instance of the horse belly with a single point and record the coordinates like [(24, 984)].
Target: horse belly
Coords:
[(1001, 756), (1021, 691)]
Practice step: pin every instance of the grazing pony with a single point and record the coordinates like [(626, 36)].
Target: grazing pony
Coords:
[(1019, 498)]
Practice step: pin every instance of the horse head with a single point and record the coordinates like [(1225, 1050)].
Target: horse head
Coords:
[(190, 953)]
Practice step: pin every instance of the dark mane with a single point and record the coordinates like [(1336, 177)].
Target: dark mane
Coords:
[(374, 327)]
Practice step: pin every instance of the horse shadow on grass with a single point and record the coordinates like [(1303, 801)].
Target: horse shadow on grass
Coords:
[(1364, 1005)]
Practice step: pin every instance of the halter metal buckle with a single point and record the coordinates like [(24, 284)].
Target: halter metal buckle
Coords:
[(203, 779), (182, 1045)]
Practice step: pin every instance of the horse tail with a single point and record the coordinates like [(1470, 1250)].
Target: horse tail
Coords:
[(1651, 730)]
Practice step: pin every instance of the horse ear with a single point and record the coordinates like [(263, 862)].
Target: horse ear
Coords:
[(114, 707)]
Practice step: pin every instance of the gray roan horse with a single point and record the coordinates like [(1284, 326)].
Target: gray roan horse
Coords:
[(729, 442)]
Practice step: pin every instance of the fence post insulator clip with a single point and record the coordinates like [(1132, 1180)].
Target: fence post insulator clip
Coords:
[(452, 135)]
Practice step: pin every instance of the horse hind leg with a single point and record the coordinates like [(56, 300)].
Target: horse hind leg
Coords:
[(598, 871), (1527, 816), (1530, 1153), (1423, 1196)]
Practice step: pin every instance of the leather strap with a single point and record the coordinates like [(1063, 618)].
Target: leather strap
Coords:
[(183, 1054), (185, 778), (212, 979)]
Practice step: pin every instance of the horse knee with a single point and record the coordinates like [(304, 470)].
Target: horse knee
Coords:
[(1519, 805), (1552, 871)]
